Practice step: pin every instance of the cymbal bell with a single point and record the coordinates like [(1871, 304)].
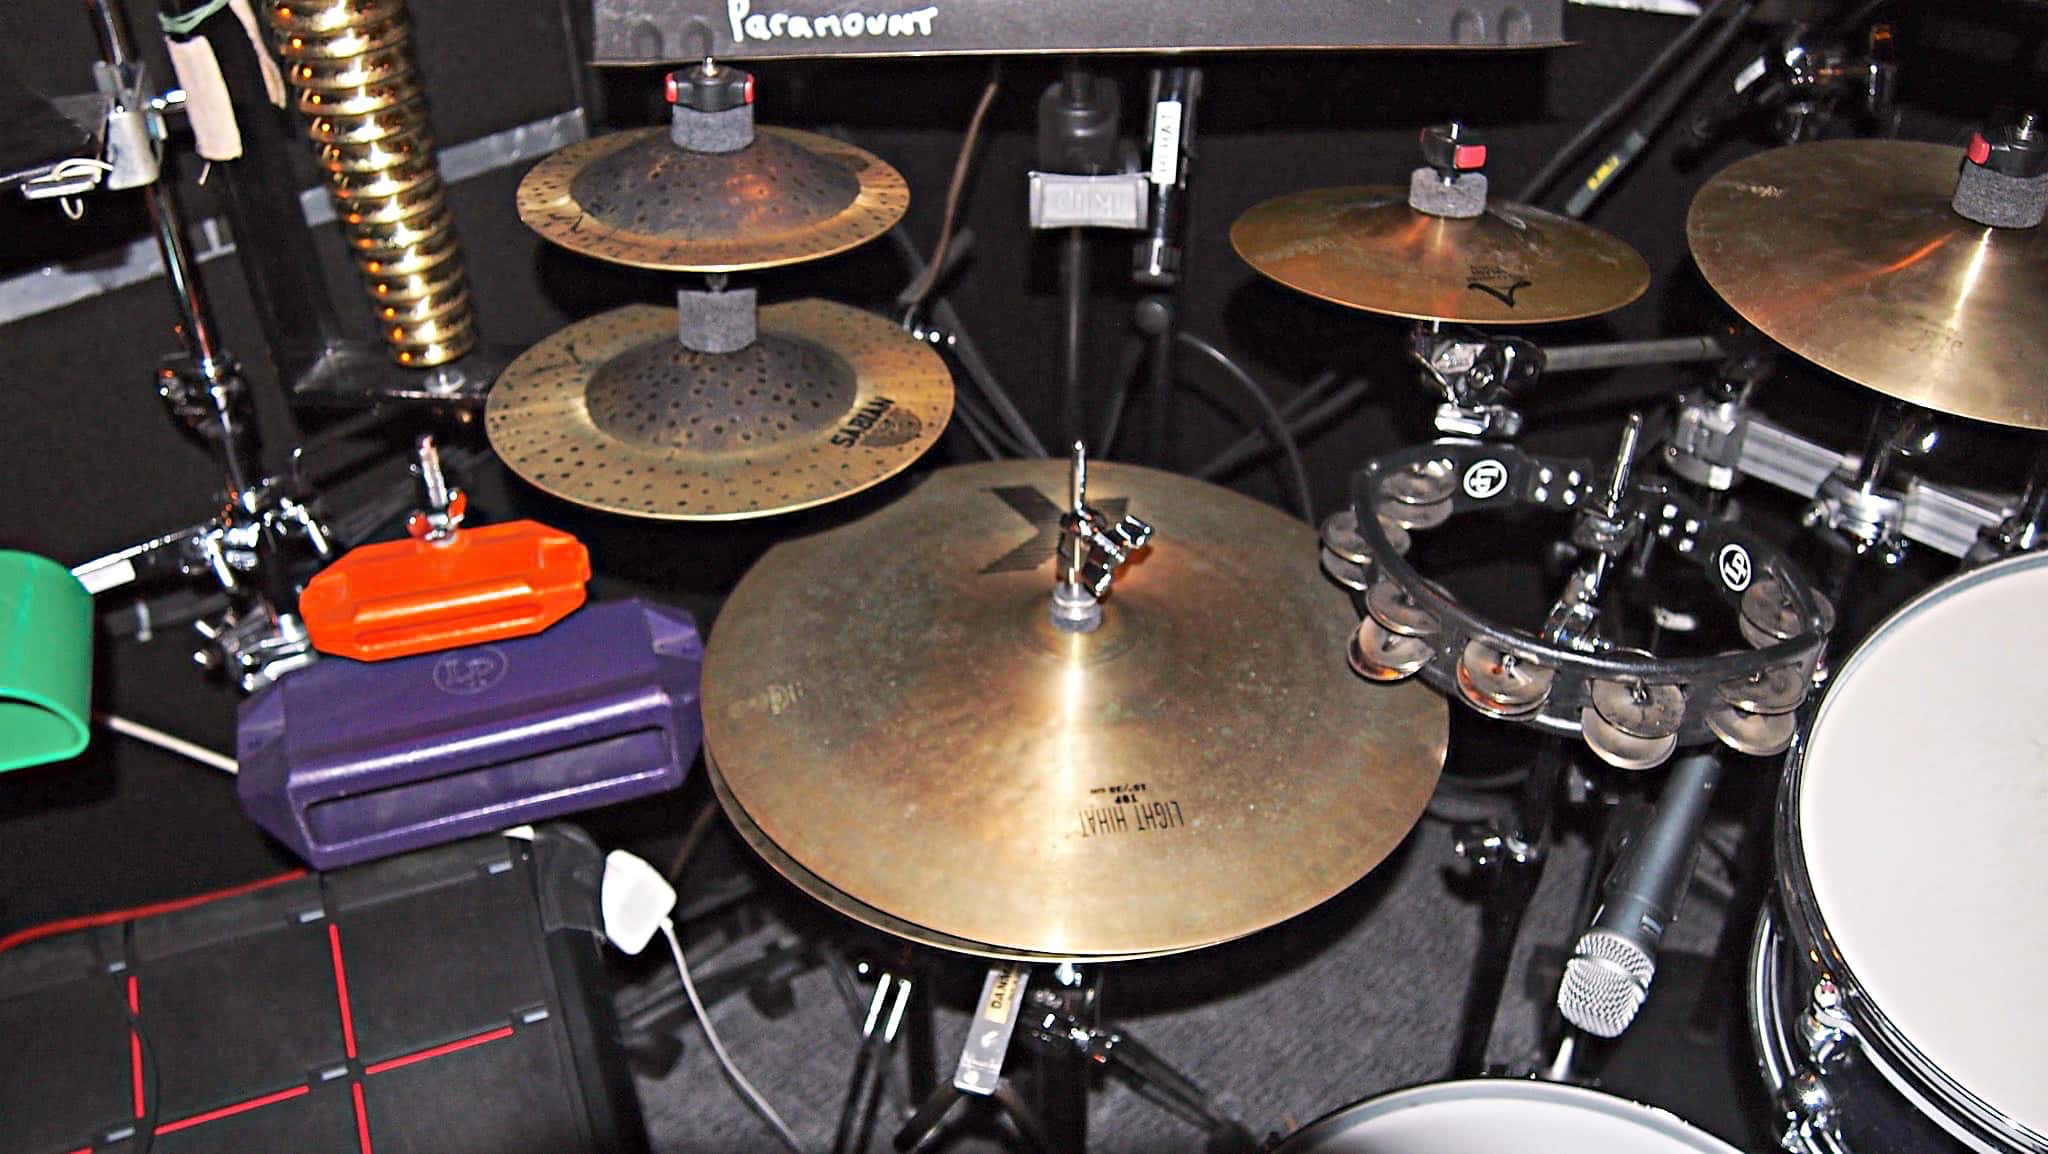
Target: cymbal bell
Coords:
[(889, 707), (636, 198), (1847, 253), (1366, 249), (614, 413)]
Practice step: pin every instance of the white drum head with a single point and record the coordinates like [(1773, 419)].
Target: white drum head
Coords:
[(1498, 1115), (1923, 796)]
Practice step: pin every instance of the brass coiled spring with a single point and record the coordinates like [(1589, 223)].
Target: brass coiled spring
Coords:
[(350, 63)]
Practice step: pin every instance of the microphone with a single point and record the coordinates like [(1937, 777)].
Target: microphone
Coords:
[(1172, 130), (1608, 977)]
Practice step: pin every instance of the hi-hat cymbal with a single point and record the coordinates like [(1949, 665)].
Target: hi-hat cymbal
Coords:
[(635, 198), (1364, 248), (889, 707), (1847, 253), (614, 413)]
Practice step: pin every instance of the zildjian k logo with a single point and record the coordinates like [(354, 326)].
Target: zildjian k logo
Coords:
[(1044, 516)]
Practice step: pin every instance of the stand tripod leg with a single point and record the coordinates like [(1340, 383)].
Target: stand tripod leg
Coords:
[(870, 1068), (928, 1119), (1513, 862), (1150, 1076), (1753, 877)]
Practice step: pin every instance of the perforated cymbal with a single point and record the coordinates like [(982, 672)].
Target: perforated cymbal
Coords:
[(1848, 253), (614, 413), (1364, 248), (888, 704), (634, 198)]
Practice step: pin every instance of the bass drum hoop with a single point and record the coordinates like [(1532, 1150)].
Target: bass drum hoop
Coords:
[(1323, 1134), (1946, 1101)]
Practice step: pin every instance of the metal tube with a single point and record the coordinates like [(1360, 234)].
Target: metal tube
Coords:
[(1618, 354), (193, 321), (1074, 297)]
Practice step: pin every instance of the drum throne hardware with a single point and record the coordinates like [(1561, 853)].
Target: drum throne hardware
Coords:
[(1888, 1014), (351, 64), (1093, 861), (716, 409), (1920, 272)]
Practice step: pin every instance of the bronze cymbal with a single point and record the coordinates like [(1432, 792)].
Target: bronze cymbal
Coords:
[(838, 901), (1847, 253), (1364, 248), (888, 704), (634, 198), (614, 413)]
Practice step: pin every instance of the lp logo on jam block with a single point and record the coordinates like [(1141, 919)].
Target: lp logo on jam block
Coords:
[(1485, 479), (468, 672), (1735, 567)]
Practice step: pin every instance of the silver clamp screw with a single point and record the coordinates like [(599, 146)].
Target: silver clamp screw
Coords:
[(445, 506), (1092, 548)]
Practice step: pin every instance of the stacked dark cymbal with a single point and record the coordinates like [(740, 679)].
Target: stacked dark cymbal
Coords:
[(716, 409)]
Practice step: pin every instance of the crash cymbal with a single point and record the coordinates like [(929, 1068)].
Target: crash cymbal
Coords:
[(635, 198), (614, 413), (1848, 253), (889, 705), (1364, 248)]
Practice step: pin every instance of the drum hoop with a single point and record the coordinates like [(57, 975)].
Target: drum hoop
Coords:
[(1966, 1115), (1654, 1118)]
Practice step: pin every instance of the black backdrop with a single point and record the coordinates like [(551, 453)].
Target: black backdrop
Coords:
[(92, 464)]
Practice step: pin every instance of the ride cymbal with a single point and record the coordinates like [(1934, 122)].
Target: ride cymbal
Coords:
[(1365, 248), (889, 705), (635, 198), (616, 414), (1848, 253)]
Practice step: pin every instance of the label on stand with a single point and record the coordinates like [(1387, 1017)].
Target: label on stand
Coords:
[(988, 1036)]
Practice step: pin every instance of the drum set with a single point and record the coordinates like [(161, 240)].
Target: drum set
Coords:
[(1055, 715)]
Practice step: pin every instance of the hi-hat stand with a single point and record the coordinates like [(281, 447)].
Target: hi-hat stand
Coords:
[(1058, 1021)]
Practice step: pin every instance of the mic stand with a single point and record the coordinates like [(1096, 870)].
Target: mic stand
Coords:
[(1508, 863)]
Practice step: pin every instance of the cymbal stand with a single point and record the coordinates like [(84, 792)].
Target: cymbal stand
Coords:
[(2026, 528), (1058, 1021), (1479, 374), (1509, 861), (247, 548)]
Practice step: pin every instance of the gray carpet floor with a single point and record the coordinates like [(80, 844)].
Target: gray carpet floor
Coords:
[(1359, 996)]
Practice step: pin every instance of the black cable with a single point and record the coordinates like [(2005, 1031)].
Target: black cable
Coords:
[(1255, 439), (913, 297), (1120, 393), (1303, 420), (978, 432), (964, 350), (1619, 161), (1276, 425), (1605, 118)]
